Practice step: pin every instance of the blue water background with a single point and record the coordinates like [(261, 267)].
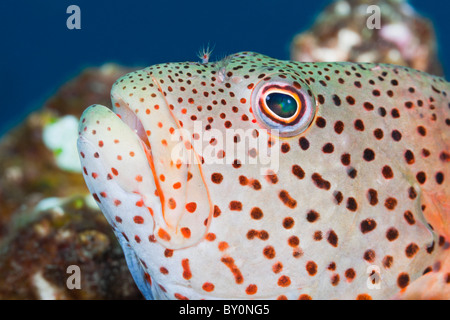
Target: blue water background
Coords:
[(38, 53)]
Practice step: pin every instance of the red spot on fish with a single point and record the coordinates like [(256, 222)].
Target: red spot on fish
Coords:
[(223, 245), (163, 270), (163, 234), (140, 203), (210, 236), (191, 207), (147, 278), (284, 281), (251, 289), (138, 219), (229, 262), (96, 197), (186, 269), (186, 232), (177, 185), (208, 286), (180, 296)]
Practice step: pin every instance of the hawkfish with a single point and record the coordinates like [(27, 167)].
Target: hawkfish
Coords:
[(256, 178)]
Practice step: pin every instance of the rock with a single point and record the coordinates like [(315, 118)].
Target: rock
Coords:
[(45, 241), (341, 33), (46, 222), (32, 171)]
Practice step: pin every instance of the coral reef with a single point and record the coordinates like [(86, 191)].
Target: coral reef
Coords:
[(346, 31), (57, 234), (46, 223)]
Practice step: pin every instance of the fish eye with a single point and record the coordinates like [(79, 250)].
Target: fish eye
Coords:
[(284, 106)]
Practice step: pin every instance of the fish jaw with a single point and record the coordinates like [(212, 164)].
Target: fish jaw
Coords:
[(120, 173), (112, 185)]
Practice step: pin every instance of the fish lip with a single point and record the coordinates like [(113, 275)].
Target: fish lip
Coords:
[(138, 128), (167, 226), (135, 124)]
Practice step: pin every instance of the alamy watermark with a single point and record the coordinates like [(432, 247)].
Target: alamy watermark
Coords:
[(234, 146), (74, 20), (374, 20), (374, 279), (74, 280)]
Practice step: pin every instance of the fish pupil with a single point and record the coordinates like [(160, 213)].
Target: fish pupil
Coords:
[(283, 105)]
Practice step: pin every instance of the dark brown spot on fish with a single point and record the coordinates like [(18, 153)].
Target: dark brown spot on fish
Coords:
[(352, 205), (285, 147), (368, 225), (409, 157), (387, 172), (411, 250), (392, 234), (439, 178), (403, 280), (317, 235), (338, 197), (345, 159), (256, 213), (287, 199), (339, 127), (378, 133), (350, 100), (359, 125), (311, 268), (369, 255), (235, 205), (388, 261), (368, 155), (271, 177), (328, 148), (216, 178), (390, 203), (336, 100), (288, 223), (396, 135), (269, 252), (321, 122), (320, 182), (368, 106), (304, 143), (421, 177), (350, 274), (312, 216), (298, 171), (332, 238)]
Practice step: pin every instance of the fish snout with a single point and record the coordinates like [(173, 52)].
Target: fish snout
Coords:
[(135, 152)]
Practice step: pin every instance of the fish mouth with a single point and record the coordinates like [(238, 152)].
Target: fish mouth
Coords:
[(130, 119), (184, 210)]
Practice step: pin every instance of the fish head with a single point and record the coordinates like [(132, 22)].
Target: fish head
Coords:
[(252, 177), (177, 129)]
